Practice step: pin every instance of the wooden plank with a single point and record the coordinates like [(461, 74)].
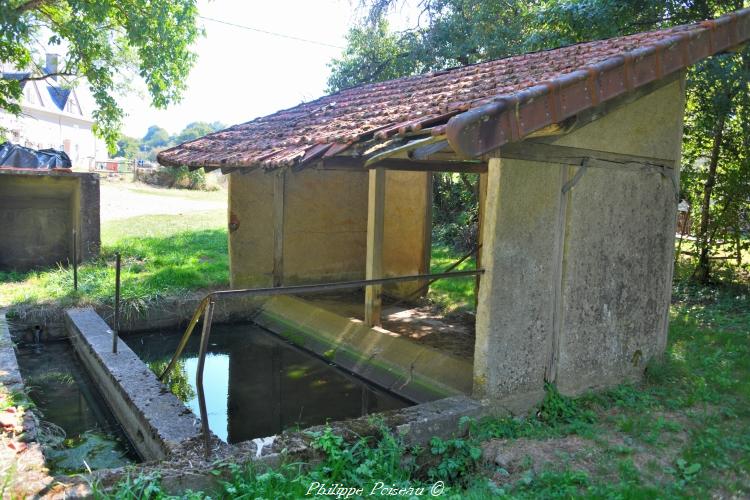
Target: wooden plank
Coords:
[(352, 163), (427, 236), (279, 182), (424, 152), (432, 166), (563, 155), (374, 258)]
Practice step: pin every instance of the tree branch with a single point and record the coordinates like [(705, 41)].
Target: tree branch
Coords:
[(44, 77), (31, 5)]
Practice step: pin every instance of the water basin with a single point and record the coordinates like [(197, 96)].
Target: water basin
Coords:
[(77, 430), (257, 384)]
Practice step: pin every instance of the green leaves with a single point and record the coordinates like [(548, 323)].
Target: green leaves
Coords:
[(107, 43)]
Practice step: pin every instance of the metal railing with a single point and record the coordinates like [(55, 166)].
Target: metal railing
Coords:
[(206, 309)]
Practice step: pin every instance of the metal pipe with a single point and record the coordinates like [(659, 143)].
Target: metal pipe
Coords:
[(75, 260), (205, 334), (185, 337), (290, 290), (116, 329), (448, 269)]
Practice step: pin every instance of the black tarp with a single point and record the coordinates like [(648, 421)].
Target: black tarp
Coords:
[(14, 156)]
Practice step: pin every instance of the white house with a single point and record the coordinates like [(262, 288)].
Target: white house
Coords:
[(53, 117)]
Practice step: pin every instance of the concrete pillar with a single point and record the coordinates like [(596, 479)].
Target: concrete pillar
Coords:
[(514, 314), (578, 284)]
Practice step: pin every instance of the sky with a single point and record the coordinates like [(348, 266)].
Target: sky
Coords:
[(242, 74)]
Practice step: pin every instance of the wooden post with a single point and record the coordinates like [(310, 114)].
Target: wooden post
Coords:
[(427, 262), (116, 321), (374, 264), (481, 199), (279, 181)]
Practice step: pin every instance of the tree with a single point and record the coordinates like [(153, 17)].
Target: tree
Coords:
[(155, 137), (128, 147), (195, 130), (373, 54), (105, 41), (716, 173)]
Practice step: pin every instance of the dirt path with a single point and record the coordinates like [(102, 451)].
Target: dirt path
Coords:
[(125, 200)]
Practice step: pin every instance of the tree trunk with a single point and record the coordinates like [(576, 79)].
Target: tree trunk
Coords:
[(703, 271)]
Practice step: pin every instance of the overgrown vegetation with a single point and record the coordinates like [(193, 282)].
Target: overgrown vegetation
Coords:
[(180, 178)]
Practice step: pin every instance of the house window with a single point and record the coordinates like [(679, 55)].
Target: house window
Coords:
[(29, 92)]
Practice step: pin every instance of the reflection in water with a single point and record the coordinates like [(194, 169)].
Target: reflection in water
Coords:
[(258, 385), (84, 432)]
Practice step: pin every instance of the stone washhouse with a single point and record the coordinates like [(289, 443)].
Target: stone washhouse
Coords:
[(578, 153)]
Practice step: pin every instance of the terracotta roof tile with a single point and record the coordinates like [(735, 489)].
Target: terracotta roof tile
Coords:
[(606, 68)]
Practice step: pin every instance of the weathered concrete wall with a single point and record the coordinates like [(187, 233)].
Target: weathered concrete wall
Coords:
[(514, 313), (156, 422), (407, 229), (250, 230), (38, 212), (324, 226), (577, 286), (412, 370)]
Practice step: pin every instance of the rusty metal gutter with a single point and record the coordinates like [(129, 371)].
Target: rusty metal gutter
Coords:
[(515, 116)]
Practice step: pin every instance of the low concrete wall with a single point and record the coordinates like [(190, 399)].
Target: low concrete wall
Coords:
[(416, 425), (153, 418), (170, 313), (409, 369), (38, 213)]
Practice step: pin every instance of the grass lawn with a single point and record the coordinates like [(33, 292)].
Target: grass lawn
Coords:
[(453, 293), (161, 255), (166, 255)]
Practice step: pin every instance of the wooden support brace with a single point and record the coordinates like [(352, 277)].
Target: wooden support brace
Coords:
[(374, 264), (279, 181)]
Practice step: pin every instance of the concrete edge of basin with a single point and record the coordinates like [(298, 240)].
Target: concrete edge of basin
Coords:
[(416, 425), (406, 368), (31, 473), (153, 418), (167, 312), (10, 374)]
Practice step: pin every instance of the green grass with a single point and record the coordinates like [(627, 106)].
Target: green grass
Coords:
[(454, 293), (162, 255)]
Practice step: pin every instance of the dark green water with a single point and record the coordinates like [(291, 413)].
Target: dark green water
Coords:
[(65, 395), (257, 384)]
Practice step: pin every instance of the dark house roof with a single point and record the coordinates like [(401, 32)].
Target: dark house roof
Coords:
[(59, 95), (478, 107)]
